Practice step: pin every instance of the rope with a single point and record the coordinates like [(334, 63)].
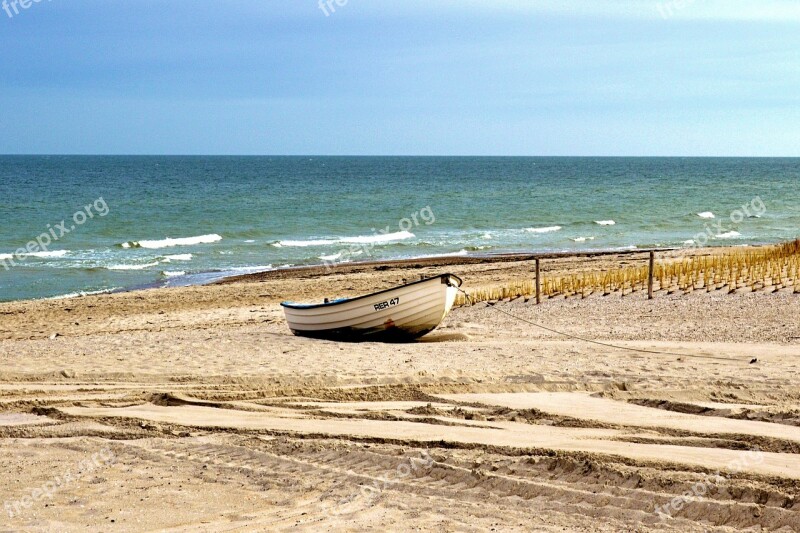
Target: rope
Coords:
[(608, 345)]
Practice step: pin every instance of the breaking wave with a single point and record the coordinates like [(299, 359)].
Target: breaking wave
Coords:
[(132, 267), (168, 243), (40, 255), (548, 229), (177, 257), (366, 239)]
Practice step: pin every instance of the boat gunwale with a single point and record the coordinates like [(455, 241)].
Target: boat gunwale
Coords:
[(412, 295), (408, 313), (301, 307)]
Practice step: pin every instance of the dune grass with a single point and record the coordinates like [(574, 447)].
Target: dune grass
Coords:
[(768, 268)]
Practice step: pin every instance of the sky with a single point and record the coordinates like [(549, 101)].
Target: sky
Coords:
[(401, 77)]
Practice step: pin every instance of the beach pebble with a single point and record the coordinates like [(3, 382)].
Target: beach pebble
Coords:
[(68, 373), (54, 335)]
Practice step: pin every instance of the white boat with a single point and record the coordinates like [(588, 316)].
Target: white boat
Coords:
[(400, 314)]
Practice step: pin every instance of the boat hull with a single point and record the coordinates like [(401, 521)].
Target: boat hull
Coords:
[(401, 314)]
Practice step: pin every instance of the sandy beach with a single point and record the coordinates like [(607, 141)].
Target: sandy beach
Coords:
[(549, 251), (195, 409)]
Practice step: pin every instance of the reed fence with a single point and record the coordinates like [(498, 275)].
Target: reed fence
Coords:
[(768, 268)]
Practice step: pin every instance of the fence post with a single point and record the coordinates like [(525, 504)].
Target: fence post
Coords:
[(650, 275), (538, 284)]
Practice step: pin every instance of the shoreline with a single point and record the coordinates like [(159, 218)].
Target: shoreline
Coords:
[(223, 277), (105, 311), (432, 261)]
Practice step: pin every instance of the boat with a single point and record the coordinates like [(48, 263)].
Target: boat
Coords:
[(400, 314)]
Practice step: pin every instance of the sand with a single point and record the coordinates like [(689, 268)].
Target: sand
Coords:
[(195, 409)]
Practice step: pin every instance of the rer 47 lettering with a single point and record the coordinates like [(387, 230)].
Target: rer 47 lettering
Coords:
[(385, 305)]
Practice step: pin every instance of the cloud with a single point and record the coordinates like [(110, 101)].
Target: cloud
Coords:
[(711, 10), (736, 10)]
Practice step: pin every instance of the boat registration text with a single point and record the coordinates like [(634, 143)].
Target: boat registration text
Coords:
[(385, 305)]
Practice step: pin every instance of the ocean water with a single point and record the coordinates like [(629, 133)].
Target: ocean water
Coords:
[(122, 222)]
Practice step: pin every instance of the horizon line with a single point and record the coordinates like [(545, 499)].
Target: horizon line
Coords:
[(404, 155)]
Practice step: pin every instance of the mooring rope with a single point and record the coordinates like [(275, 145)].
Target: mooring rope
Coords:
[(608, 345)]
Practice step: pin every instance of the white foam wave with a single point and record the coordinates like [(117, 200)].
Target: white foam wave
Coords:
[(460, 253), (177, 257), (333, 257), (729, 235), (318, 242), (248, 270), (548, 229), (583, 239), (169, 242), (372, 239), (79, 294), (706, 214), (173, 273), (605, 222), (41, 255), (132, 267), (365, 239), (690, 241)]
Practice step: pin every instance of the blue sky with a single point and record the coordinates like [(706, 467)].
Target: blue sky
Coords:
[(450, 77)]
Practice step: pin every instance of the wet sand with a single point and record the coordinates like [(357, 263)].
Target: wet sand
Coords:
[(195, 409)]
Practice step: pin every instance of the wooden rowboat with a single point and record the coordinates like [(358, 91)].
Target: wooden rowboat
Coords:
[(393, 315)]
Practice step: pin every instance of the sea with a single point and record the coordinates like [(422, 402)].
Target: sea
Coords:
[(75, 225)]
